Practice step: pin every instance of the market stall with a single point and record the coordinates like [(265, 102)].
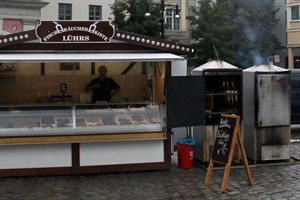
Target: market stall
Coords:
[(221, 94), (45, 132)]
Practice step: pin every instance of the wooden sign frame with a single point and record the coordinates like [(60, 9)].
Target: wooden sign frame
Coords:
[(226, 137)]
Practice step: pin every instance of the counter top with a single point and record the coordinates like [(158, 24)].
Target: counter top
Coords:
[(78, 104)]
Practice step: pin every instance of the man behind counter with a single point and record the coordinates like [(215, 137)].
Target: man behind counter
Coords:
[(103, 88)]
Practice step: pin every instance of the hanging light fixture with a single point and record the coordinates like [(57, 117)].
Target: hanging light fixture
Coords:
[(163, 5)]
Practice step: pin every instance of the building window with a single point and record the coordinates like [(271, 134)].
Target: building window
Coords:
[(64, 11), (295, 12), (172, 22), (95, 12)]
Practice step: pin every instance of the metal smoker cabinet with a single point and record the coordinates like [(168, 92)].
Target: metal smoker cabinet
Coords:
[(266, 113), (222, 94)]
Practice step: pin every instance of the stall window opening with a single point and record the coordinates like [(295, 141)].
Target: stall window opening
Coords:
[(95, 12), (64, 11)]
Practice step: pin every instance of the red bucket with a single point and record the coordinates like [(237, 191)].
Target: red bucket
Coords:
[(185, 155)]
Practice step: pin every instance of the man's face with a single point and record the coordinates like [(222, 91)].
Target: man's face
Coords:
[(102, 71)]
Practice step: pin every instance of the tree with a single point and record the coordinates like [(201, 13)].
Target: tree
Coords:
[(129, 15), (241, 31)]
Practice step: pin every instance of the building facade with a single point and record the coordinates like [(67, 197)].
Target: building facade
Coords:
[(77, 10), (19, 15), (176, 28), (281, 58), (293, 32)]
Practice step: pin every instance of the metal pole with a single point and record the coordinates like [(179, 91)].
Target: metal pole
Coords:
[(162, 20)]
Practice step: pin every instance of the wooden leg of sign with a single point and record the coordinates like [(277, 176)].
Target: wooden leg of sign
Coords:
[(225, 177), (250, 181), (209, 172)]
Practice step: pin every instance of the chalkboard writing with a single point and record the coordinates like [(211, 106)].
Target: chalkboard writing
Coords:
[(223, 139)]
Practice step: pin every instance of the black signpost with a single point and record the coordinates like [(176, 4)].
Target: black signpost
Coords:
[(227, 134)]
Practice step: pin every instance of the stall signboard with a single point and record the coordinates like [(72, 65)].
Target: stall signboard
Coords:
[(223, 139), (75, 31), (228, 134)]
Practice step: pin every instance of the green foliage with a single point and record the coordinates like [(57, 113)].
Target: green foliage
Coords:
[(241, 31), (130, 16)]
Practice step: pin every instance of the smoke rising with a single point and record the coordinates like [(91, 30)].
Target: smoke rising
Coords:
[(255, 37)]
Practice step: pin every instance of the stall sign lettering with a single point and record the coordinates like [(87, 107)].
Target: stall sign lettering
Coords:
[(74, 31), (223, 140)]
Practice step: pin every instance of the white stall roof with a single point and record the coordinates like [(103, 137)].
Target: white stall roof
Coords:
[(213, 64), (265, 68), (86, 57)]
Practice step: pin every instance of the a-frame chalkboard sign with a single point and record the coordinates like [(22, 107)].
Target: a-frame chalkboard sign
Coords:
[(228, 132)]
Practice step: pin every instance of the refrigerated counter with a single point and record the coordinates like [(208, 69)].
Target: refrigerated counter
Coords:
[(79, 119), (48, 139)]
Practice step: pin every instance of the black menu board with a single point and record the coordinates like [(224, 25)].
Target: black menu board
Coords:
[(223, 139)]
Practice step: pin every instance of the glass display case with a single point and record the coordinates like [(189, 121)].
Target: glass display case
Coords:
[(79, 119)]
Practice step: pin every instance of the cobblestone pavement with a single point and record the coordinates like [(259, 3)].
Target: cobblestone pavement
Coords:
[(270, 181)]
